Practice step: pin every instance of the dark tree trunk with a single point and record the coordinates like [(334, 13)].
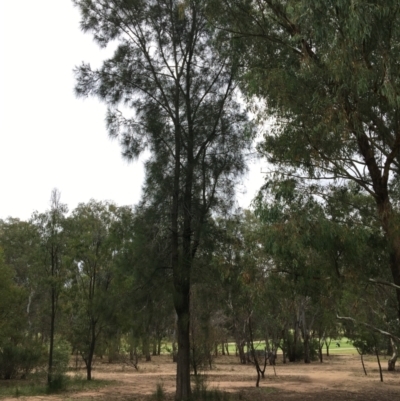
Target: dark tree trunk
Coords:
[(362, 362), (379, 363), (146, 348), (183, 391), (307, 349), (240, 352), (387, 217), (327, 344), (250, 346), (92, 345), (320, 353), (52, 327)]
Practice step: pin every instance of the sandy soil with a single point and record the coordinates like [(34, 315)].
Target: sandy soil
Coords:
[(338, 378)]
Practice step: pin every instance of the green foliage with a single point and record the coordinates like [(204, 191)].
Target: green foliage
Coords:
[(18, 360), (181, 104), (160, 392), (327, 73), (91, 303), (61, 356), (36, 385), (201, 392)]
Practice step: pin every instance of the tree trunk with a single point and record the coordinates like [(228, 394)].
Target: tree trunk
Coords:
[(379, 363), (321, 359), (92, 345), (146, 348), (52, 326), (362, 362), (327, 347), (183, 390), (393, 359), (240, 351), (387, 216), (306, 348), (154, 347), (174, 352)]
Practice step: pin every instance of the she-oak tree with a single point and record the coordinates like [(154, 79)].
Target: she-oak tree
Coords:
[(181, 96)]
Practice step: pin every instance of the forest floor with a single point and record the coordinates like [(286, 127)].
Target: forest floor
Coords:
[(339, 377)]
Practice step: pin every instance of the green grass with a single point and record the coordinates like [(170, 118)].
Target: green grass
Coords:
[(36, 386), (346, 347)]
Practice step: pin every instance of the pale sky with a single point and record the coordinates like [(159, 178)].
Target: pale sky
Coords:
[(49, 138)]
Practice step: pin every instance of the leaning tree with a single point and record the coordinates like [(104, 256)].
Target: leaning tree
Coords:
[(169, 91)]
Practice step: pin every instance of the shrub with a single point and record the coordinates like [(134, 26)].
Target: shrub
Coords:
[(18, 360), (61, 354)]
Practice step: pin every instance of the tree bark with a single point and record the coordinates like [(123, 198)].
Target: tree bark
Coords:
[(146, 348), (393, 359), (183, 390), (379, 363), (52, 328)]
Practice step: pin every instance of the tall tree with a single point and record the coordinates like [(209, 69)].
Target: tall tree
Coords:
[(182, 98), (329, 73), (52, 249), (92, 249)]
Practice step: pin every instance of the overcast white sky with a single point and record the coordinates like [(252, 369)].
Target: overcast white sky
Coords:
[(49, 138)]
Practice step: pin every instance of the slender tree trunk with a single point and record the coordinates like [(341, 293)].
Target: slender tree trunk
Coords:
[(89, 361), (159, 347), (327, 347), (146, 348), (379, 363), (240, 352), (320, 353), (393, 359), (306, 348), (362, 362), (52, 327)]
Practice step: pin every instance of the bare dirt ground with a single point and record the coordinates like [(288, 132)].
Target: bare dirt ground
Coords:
[(338, 378)]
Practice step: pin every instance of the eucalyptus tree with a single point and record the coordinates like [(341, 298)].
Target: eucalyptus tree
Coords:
[(329, 74), (169, 91), (24, 309), (325, 253), (92, 272), (51, 256)]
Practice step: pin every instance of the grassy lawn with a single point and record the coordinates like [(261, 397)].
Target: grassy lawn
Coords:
[(341, 346), (344, 347)]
